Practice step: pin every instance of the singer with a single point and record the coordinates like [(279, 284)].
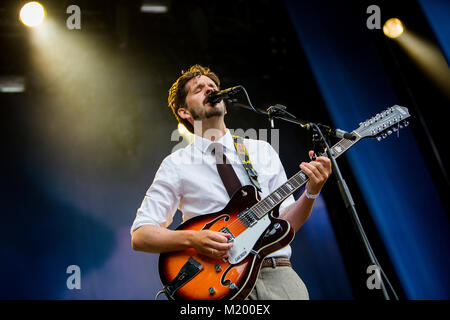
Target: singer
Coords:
[(200, 187)]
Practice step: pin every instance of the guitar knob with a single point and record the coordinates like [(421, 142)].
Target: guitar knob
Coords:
[(232, 286), (218, 268), (211, 290)]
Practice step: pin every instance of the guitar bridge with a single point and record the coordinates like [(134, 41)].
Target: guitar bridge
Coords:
[(226, 230)]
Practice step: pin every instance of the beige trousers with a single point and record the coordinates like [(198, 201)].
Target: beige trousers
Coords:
[(279, 283)]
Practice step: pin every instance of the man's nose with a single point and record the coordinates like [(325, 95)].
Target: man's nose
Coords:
[(209, 91)]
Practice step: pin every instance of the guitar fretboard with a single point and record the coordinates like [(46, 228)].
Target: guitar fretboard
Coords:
[(294, 183)]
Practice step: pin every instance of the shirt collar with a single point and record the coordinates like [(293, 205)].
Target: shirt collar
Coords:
[(202, 144)]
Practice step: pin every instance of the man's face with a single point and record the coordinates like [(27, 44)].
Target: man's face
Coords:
[(198, 89)]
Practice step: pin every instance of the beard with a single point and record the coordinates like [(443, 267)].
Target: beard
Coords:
[(207, 112)]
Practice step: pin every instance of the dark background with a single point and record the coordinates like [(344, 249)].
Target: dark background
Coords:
[(83, 142)]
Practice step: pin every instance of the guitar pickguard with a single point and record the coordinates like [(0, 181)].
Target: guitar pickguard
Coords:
[(244, 242)]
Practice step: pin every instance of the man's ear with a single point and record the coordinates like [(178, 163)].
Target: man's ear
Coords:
[(183, 113)]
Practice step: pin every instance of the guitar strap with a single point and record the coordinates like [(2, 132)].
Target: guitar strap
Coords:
[(245, 159)]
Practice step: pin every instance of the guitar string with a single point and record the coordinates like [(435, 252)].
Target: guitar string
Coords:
[(261, 203), (339, 148)]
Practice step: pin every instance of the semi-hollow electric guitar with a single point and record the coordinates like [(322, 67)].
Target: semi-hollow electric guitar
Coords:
[(254, 228)]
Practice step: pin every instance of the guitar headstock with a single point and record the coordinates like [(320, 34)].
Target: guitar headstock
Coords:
[(384, 123)]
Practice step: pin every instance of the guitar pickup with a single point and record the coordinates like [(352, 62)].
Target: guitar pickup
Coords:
[(248, 218)]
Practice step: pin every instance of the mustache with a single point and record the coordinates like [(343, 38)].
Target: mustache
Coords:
[(206, 101)]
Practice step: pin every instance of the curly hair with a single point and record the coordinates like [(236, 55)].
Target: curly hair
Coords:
[(178, 92)]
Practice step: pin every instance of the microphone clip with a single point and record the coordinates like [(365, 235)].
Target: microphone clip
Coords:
[(336, 133), (274, 111)]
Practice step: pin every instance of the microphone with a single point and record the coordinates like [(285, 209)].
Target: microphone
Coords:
[(343, 134), (217, 96), (338, 133)]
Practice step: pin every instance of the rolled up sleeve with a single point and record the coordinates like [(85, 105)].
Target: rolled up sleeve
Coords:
[(161, 199)]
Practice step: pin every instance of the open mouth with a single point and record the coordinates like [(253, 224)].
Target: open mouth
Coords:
[(206, 102)]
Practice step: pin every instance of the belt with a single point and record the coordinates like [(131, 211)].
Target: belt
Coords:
[(276, 262)]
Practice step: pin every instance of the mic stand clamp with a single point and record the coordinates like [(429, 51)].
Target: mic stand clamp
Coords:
[(275, 111)]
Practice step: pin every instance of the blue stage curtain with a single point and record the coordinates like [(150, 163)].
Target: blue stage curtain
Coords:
[(392, 175)]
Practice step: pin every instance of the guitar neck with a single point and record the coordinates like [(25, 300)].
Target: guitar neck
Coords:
[(295, 182)]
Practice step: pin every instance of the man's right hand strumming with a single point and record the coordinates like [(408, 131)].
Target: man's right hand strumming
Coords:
[(155, 239)]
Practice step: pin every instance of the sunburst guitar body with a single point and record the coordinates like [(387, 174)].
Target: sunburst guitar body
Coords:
[(189, 275)]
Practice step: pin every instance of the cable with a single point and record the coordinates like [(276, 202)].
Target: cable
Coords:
[(159, 293)]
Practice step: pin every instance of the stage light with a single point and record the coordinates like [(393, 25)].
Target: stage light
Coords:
[(154, 9), (32, 14), (155, 6), (393, 28), (12, 84)]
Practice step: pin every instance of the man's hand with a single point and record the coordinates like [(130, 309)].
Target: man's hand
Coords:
[(318, 172), (212, 244)]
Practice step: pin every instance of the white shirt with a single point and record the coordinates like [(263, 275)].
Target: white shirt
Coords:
[(188, 180)]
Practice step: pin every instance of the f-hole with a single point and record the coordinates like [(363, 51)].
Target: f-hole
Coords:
[(225, 218)]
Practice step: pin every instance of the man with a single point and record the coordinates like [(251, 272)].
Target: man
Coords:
[(188, 179)]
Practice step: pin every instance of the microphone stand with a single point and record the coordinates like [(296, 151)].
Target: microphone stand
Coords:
[(279, 112)]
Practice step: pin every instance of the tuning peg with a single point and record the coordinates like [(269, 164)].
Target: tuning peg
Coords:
[(379, 138), (389, 132), (406, 123), (395, 129), (384, 135)]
